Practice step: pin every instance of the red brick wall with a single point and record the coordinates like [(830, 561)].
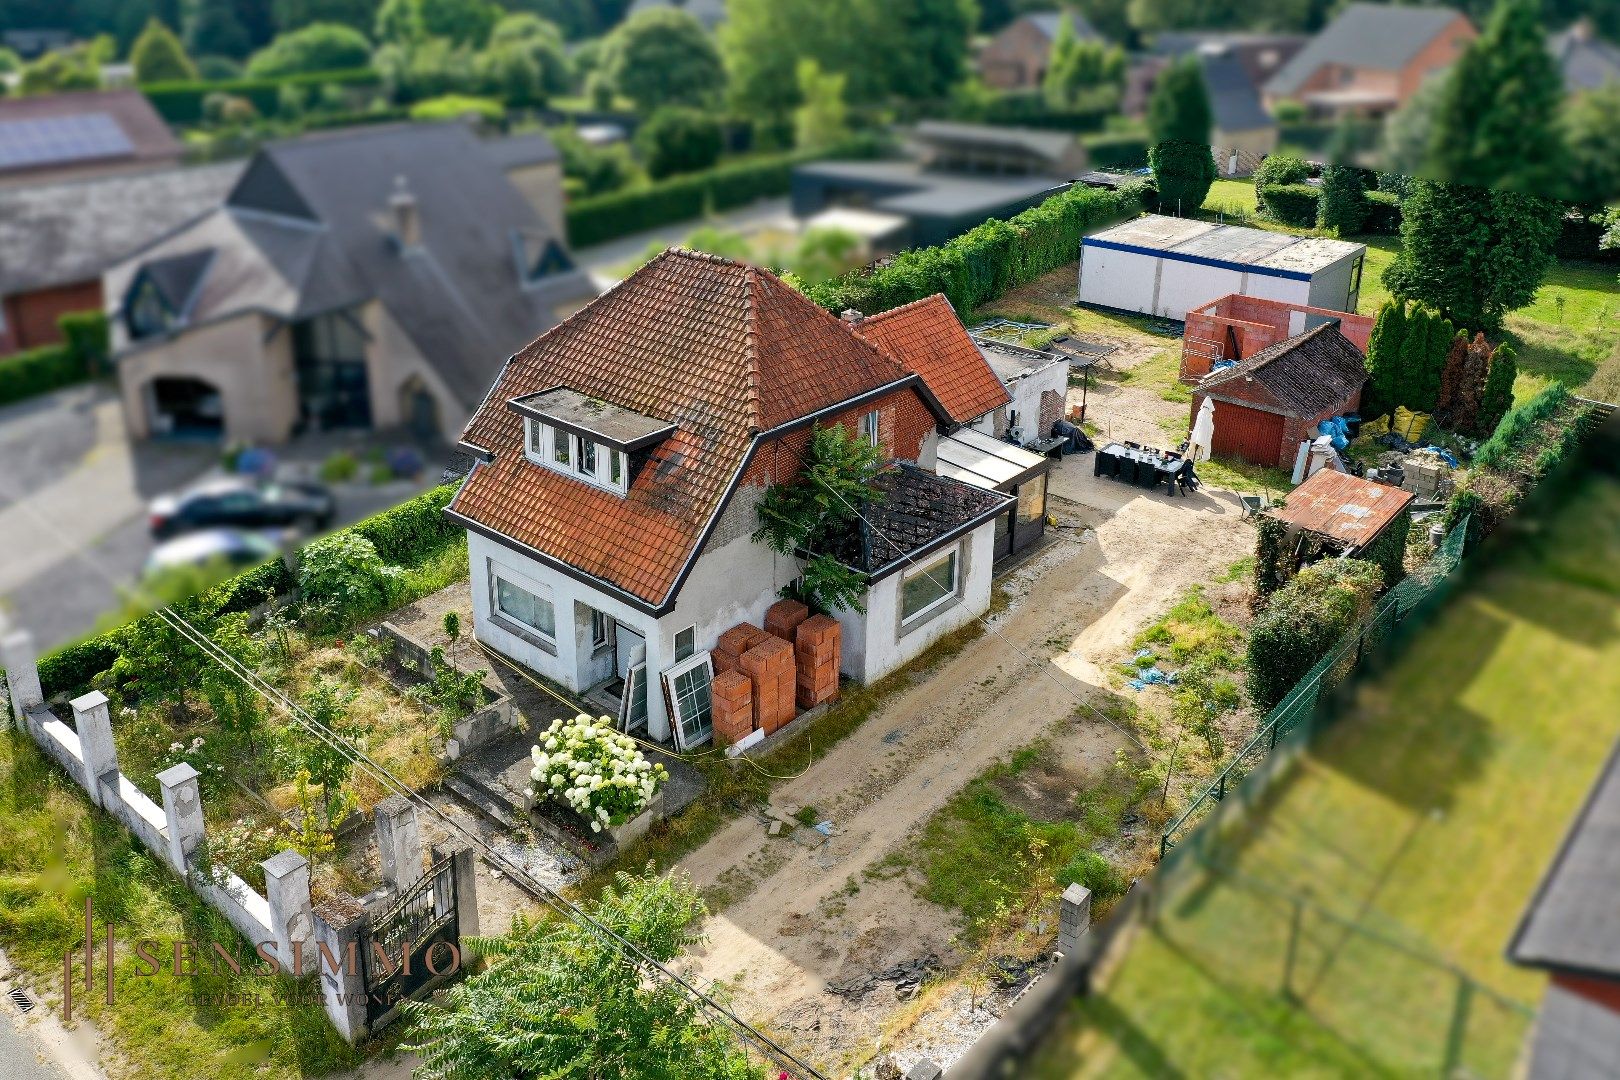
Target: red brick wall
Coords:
[(903, 423), (1262, 437), (30, 318), (816, 651), (1257, 323)]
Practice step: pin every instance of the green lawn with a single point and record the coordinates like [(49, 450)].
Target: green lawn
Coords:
[(1428, 817)]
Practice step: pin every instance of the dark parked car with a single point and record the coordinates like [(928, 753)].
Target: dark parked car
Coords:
[(228, 549), (242, 504)]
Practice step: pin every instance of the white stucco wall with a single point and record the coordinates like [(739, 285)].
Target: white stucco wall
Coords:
[(247, 359), (1167, 288), (874, 644)]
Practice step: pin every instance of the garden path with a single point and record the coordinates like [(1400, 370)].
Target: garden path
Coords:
[(802, 918)]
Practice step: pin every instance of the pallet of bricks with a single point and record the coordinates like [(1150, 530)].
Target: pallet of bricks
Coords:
[(763, 676)]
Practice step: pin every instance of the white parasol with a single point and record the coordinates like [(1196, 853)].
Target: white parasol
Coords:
[(1203, 432)]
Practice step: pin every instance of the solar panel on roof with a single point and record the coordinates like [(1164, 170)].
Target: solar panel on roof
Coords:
[(53, 140)]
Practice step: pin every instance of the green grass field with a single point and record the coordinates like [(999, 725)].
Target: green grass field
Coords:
[(1427, 818)]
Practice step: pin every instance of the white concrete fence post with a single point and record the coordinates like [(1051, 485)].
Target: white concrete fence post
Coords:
[(92, 718), (182, 814), (340, 922), (292, 919), (399, 843), (22, 673), (1074, 918)]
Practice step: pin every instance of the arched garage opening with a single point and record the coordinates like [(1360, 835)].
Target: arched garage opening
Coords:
[(185, 408)]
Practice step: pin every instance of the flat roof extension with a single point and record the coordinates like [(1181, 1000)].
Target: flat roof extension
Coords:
[(1226, 246)]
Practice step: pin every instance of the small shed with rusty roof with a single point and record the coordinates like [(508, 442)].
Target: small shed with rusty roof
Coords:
[(1339, 514)]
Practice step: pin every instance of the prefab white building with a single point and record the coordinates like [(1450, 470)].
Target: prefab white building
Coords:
[(1168, 266)]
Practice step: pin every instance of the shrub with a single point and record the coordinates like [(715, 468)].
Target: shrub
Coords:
[(1383, 213), (1095, 873), (182, 103), (82, 353), (1183, 173), (985, 261), (317, 47), (343, 574), (678, 140), (1281, 169), (457, 106), (1303, 620), (597, 772), (158, 56), (339, 466), (1291, 204)]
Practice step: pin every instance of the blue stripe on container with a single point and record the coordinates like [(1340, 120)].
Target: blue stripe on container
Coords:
[(1197, 260)]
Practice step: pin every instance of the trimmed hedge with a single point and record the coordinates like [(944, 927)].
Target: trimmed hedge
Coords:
[(1383, 214), (1303, 620), (1114, 150), (984, 262), (403, 535), (78, 358), (182, 102), (1029, 108), (1292, 204), (682, 198)]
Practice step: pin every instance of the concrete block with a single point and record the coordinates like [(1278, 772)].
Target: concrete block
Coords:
[(292, 919), (21, 663), (182, 814), (93, 720), (1074, 917), (399, 842)]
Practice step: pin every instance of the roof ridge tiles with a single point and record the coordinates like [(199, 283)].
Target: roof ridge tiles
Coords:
[(751, 372)]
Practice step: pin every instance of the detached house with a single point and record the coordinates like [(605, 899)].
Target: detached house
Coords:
[(349, 280), (621, 458)]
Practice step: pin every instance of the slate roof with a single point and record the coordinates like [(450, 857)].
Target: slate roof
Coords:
[(1047, 23), (516, 151), (918, 512), (724, 351), (927, 337), (1573, 923), (1587, 61), (1382, 37), (1346, 508), (145, 136), (60, 234), (1232, 94), (307, 229), (1051, 146), (1306, 375)]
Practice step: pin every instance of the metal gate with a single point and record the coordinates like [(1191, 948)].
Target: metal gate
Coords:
[(398, 949)]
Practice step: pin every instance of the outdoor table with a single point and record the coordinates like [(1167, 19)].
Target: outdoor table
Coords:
[(1137, 466)]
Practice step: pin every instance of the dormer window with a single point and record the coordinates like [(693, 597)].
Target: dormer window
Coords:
[(147, 314), (586, 438)]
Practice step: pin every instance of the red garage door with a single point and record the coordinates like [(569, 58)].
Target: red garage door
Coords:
[(1248, 434)]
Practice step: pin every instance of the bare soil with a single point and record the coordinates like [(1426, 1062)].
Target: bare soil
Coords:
[(824, 914)]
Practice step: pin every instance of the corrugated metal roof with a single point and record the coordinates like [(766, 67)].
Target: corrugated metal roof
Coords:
[(1347, 508), (1232, 245)]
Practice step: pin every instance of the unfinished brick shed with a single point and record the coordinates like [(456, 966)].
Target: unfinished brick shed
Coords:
[(1237, 326)]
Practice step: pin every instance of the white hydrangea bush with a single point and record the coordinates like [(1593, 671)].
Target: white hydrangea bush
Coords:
[(594, 770)]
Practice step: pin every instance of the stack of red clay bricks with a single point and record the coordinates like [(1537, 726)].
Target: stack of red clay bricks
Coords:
[(769, 666), (733, 696), (816, 652)]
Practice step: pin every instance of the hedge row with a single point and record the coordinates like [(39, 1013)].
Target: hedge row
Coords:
[(1532, 441), (1116, 150), (182, 102), (1383, 214), (1031, 109), (1302, 620), (404, 535), (1291, 204), (683, 198), (79, 357), (984, 262)]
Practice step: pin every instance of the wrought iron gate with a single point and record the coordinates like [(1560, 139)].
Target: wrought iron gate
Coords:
[(399, 949)]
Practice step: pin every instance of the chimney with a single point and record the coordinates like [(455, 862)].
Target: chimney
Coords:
[(851, 316), (407, 220)]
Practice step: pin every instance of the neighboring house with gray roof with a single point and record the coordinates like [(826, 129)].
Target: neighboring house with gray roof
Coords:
[(352, 279), (1587, 61), (57, 239), (711, 13), (1018, 56), (1571, 930), (1371, 59), (1244, 131), (49, 138)]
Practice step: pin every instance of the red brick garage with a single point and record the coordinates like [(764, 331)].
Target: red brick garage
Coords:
[(1266, 405)]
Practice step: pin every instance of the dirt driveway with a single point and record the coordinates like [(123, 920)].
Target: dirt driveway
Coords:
[(803, 917)]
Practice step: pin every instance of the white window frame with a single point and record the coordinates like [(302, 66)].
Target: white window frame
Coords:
[(602, 630), (677, 721), (869, 427), (924, 614), (609, 469), (511, 623), (692, 650)]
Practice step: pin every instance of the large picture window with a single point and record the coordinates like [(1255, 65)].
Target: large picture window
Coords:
[(533, 613), (928, 588)]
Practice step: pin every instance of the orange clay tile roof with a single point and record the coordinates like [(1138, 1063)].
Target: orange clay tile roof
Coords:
[(927, 337), (720, 349)]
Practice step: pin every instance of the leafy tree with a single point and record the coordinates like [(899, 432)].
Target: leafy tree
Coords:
[(1343, 206), (158, 56), (807, 514), (1149, 15), (293, 15), (1077, 70), (1384, 349), (822, 119), (676, 140), (1111, 19), (1179, 109), (321, 47), (1410, 130), (560, 999), (1498, 396), (663, 56), (919, 48), (1474, 254), (762, 42), (1497, 121), (56, 72), (463, 22), (577, 19), (9, 61), (399, 22), (326, 702), (1593, 137), (524, 62), (213, 29), (1183, 172)]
